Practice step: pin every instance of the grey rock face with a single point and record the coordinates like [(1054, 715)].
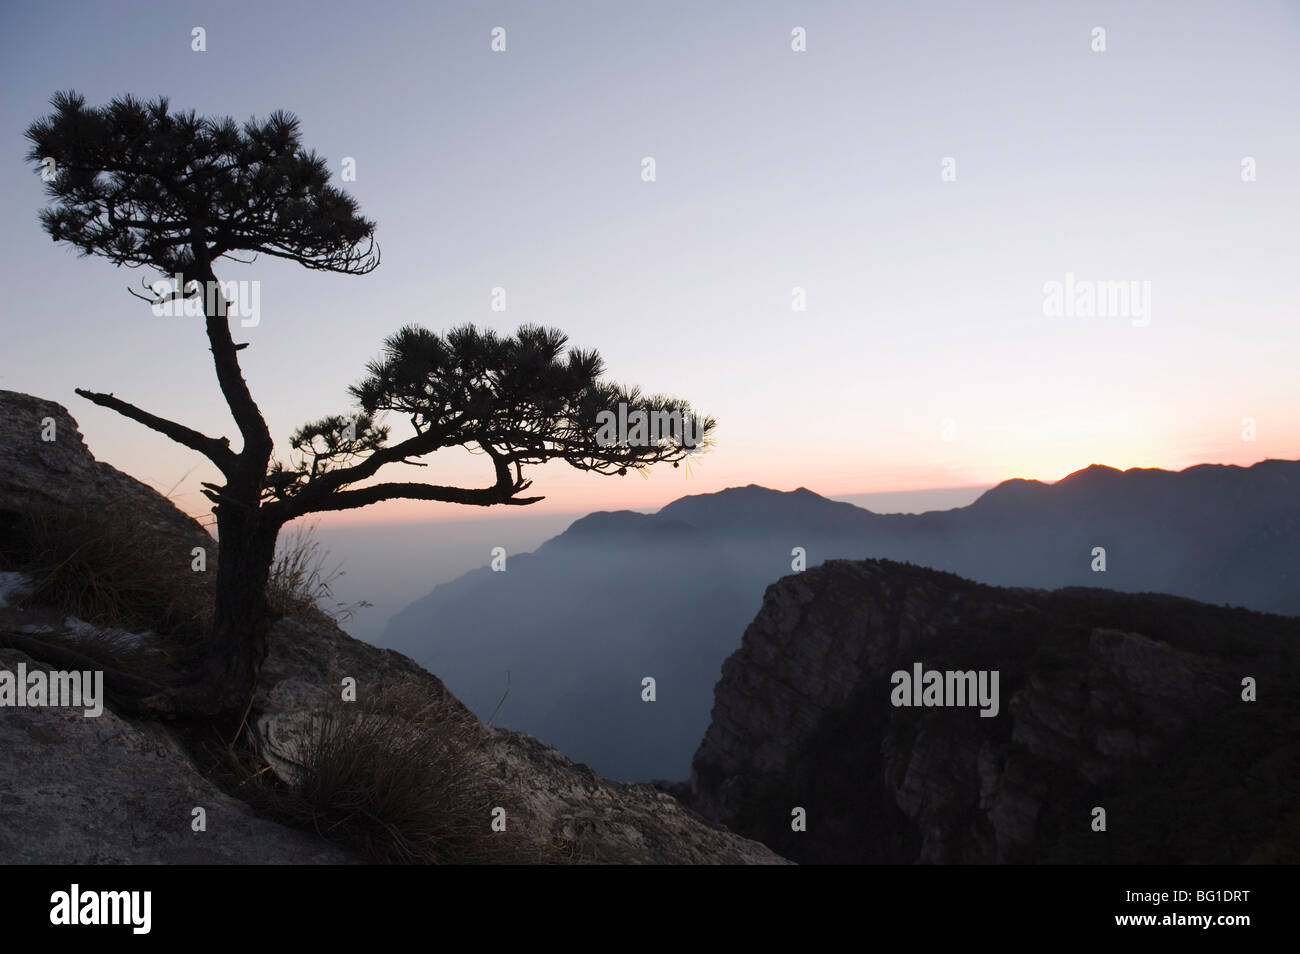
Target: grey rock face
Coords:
[(35, 473), (77, 790)]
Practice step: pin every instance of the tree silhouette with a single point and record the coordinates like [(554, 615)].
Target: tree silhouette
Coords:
[(144, 186)]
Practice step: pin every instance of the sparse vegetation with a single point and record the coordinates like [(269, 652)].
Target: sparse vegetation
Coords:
[(96, 565), (400, 776), (301, 583)]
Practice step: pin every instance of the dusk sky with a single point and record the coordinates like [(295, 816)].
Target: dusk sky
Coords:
[(925, 358)]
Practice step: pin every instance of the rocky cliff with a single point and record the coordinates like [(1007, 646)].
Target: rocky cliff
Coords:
[(1128, 703), (114, 790)]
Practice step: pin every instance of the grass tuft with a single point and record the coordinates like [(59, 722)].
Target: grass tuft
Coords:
[(301, 584), (97, 565), (401, 777)]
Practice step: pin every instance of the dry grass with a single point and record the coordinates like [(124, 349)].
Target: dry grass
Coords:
[(400, 777), (101, 566), (97, 565), (301, 584)]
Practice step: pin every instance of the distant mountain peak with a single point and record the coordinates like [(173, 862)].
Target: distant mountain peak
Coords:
[(750, 492), (757, 506), (1093, 472), (603, 520)]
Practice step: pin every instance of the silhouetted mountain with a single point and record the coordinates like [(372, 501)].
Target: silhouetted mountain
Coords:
[(622, 596), (1130, 703)]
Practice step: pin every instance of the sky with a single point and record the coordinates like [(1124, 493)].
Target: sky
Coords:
[(921, 171)]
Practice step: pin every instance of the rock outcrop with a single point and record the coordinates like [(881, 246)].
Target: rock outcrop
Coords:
[(1131, 703), (46, 463), (554, 802), (105, 790)]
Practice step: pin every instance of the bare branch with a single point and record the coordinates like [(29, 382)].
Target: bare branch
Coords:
[(215, 449)]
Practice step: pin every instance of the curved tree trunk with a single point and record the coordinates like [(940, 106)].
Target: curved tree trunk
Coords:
[(246, 535)]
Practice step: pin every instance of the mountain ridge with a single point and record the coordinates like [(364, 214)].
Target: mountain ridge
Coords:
[(622, 595)]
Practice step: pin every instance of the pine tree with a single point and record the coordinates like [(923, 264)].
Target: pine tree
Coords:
[(173, 193)]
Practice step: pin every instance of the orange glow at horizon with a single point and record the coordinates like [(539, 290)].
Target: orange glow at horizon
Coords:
[(580, 494)]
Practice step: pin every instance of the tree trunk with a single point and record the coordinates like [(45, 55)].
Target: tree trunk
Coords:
[(246, 535), (241, 620)]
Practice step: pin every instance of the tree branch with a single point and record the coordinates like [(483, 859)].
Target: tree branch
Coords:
[(487, 497), (215, 449), (321, 488)]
